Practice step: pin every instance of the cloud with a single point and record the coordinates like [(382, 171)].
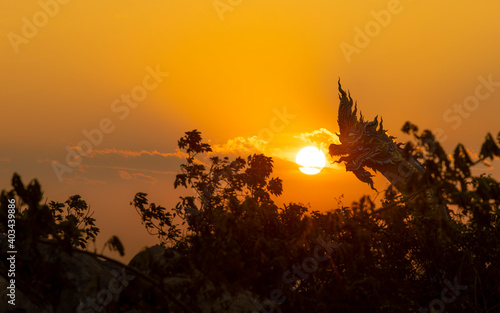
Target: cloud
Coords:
[(82, 179), (136, 154), (322, 138), (283, 147), (130, 169), (137, 177), (124, 175), (241, 145), (5, 160), (144, 178), (144, 169), (131, 153)]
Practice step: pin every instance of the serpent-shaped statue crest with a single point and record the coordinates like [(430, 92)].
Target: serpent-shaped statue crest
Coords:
[(362, 143), (366, 144)]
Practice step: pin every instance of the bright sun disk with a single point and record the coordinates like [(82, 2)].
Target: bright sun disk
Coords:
[(311, 160)]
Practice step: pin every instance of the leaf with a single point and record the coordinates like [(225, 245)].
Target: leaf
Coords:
[(275, 186), (409, 127), (114, 244), (462, 160), (489, 149)]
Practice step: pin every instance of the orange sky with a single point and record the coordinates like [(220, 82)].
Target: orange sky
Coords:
[(252, 77)]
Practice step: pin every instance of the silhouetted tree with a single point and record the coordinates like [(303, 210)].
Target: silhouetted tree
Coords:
[(397, 257)]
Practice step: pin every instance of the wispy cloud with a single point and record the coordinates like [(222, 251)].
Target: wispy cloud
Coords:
[(144, 178), (132, 174), (322, 138), (124, 175), (131, 153), (130, 169), (83, 179), (284, 147), (137, 176), (239, 145)]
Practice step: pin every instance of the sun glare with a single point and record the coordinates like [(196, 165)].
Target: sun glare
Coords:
[(311, 160)]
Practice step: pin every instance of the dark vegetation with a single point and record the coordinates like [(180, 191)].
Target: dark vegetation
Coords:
[(397, 256)]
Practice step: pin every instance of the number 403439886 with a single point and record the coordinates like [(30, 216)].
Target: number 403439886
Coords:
[(11, 223)]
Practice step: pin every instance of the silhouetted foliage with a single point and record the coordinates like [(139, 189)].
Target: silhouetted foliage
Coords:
[(114, 244), (64, 227), (395, 258), (399, 255), (70, 223)]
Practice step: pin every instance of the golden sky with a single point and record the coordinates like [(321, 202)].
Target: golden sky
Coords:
[(252, 76)]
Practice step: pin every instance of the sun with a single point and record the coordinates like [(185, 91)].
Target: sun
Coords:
[(311, 160)]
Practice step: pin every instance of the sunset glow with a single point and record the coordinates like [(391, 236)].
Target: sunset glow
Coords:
[(96, 94), (250, 156), (311, 160)]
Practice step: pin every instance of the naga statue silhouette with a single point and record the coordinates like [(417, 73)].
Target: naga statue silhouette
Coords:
[(365, 145)]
